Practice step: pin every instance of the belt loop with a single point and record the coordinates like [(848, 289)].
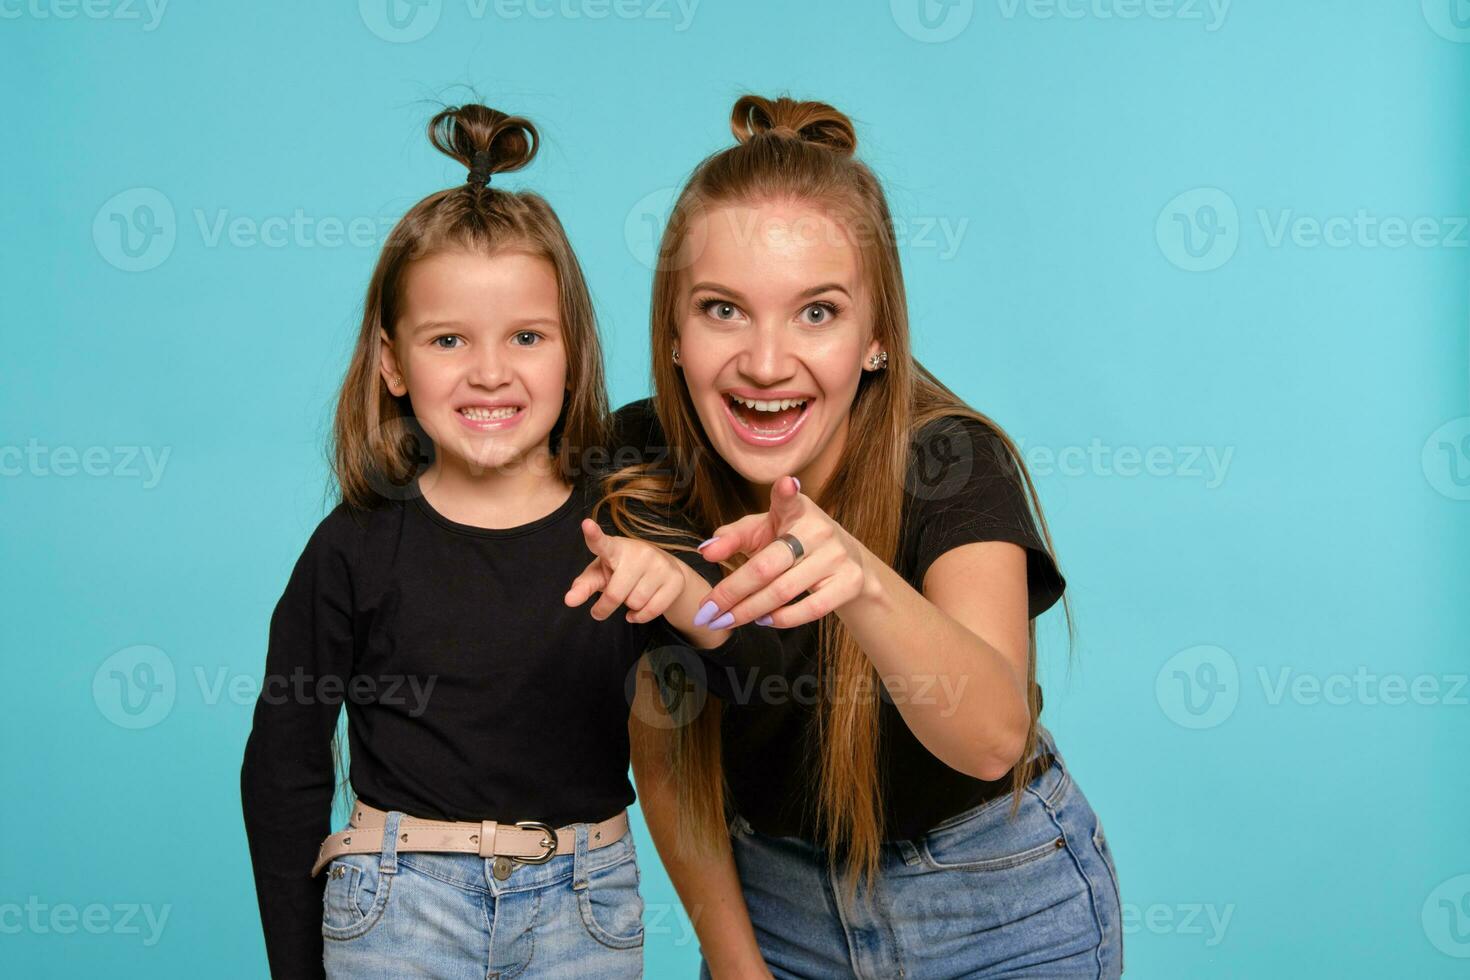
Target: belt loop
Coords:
[(388, 859), (579, 859)]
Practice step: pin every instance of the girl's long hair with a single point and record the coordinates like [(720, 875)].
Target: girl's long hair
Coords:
[(377, 450), (804, 151)]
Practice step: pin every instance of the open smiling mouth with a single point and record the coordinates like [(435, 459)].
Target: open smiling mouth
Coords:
[(490, 418), (767, 423)]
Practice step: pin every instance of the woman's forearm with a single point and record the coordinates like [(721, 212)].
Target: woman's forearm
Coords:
[(957, 693), (707, 883)]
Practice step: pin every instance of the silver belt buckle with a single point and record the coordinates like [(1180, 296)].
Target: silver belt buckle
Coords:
[(548, 841)]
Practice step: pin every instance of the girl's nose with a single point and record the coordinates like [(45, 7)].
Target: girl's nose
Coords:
[(488, 370)]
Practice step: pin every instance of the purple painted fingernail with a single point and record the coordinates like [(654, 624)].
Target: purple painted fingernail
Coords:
[(763, 620), (706, 613), (798, 484), (723, 622), (709, 541)]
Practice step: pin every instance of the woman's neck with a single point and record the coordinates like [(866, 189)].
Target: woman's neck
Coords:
[(494, 497)]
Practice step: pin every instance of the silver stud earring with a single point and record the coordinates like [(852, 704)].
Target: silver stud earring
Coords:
[(676, 355), (878, 361)]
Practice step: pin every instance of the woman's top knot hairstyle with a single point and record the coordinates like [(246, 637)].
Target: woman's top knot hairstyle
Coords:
[(485, 140), (811, 122)]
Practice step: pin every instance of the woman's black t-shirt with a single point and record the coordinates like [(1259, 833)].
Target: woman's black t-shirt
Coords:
[(962, 487)]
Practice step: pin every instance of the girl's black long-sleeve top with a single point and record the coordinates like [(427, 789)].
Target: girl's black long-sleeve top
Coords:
[(472, 691)]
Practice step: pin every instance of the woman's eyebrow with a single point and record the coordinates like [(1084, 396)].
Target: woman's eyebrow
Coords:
[(715, 287), (825, 287)]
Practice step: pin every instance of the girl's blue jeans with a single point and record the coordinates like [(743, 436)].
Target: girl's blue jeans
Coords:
[(415, 914), (979, 895)]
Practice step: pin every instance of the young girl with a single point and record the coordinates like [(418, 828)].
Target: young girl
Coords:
[(880, 800), (487, 716)]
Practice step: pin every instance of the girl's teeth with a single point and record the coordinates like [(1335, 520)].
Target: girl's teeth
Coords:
[(488, 414)]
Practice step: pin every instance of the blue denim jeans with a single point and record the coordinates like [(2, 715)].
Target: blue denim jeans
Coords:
[(417, 914), (979, 895)]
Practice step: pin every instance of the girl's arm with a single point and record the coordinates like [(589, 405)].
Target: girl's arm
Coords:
[(287, 776), (707, 884)]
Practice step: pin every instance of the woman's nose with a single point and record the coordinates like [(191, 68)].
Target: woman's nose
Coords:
[(767, 357)]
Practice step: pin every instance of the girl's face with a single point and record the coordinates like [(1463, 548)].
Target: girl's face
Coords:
[(774, 333), (479, 345)]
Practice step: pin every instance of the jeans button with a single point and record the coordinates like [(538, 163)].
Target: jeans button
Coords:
[(503, 868)]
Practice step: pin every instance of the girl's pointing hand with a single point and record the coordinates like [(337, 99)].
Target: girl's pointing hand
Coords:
[(627, 572)]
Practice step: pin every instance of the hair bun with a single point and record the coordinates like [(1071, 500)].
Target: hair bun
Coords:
[(811, 122), (504, 143)]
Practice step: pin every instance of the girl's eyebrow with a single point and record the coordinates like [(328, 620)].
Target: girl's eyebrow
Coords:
[(715, 287), (428, 325)]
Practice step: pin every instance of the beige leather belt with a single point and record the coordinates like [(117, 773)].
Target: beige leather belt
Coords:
[(527, 841)]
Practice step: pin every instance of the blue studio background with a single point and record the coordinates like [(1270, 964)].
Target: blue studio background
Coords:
[(1206, 260)]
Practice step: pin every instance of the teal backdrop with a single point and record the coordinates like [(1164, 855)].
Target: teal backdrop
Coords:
[(1206, 260)]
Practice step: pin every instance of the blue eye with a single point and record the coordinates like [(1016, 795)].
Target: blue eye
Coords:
[(718, 309), (535, 337), (448, 336), (819, 313)]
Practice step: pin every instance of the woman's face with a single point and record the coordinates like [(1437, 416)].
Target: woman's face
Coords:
[(774, 332), (478, 343)]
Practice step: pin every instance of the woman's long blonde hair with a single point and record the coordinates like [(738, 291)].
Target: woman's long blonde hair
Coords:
[(803, 151)]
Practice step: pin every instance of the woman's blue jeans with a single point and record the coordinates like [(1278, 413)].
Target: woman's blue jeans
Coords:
[(979, 895)]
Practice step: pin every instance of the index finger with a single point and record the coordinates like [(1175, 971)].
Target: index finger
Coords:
[(769, 563)]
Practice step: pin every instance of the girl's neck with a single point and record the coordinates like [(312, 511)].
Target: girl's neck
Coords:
[(494, 497)]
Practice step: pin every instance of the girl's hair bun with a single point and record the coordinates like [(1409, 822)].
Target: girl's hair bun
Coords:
[(507, 142), (812, 122)]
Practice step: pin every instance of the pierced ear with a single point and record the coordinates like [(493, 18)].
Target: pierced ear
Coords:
[(388, 365), (873, 348)]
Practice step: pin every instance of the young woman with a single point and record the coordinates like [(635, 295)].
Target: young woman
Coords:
[(894, 807), (487, 717)]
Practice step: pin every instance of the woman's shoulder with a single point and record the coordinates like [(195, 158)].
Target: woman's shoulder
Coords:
[(636, 425), (958, 457)]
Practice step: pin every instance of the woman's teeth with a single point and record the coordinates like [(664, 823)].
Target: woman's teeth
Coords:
[(489, 414), (775, 406), (768, 419)]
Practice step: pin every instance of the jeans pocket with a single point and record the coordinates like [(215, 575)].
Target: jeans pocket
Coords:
[(355, 895), (611, 906), (988, 838)]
